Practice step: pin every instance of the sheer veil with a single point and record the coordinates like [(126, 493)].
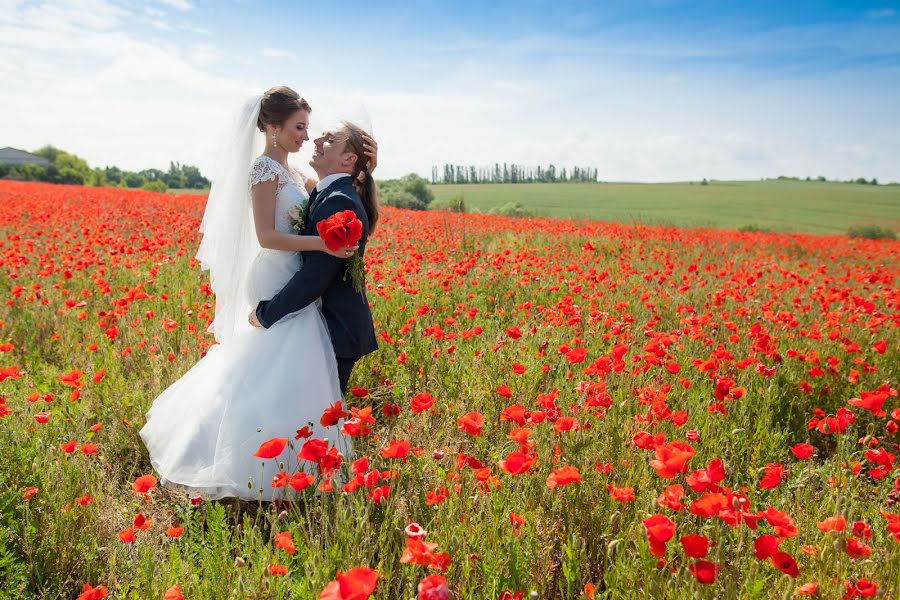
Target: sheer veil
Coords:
[(229, 241)]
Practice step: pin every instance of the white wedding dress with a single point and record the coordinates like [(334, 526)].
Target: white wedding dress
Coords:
[(203, 430)]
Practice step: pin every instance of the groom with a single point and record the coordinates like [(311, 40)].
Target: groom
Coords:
[(346, 311)]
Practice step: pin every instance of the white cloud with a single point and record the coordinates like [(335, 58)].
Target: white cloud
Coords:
[(203, 54), (198, 30), (277, 53), (183, 5), (154, 12)]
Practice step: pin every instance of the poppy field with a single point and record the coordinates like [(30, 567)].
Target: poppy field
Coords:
[(557, 409)]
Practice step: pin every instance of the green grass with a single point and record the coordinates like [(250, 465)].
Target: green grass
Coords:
[(187, 191), (800, 206)]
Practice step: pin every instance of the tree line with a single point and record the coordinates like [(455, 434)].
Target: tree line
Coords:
[(68, 168), (511, 173)]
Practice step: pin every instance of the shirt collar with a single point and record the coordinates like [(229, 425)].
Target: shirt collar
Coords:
[(329, 179)]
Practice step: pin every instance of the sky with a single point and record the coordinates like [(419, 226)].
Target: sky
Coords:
[(652, 90)]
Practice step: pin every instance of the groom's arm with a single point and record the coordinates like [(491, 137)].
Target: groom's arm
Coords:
[(310, 282)]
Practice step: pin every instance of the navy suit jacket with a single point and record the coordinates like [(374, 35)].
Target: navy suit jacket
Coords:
[(346, 311)]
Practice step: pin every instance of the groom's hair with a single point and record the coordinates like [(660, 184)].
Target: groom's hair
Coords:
[(278, 104), (362, 179)]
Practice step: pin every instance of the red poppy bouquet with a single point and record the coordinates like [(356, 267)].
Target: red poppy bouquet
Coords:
[(344, 229)]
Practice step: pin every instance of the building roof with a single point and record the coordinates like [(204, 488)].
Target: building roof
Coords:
[(14, 156)]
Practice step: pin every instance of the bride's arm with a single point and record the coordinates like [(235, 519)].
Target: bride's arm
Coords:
[(263, 197)]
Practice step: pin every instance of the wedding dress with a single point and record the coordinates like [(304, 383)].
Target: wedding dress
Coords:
[(259, 384)]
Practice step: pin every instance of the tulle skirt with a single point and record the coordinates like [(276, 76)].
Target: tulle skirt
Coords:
[(202, 431)]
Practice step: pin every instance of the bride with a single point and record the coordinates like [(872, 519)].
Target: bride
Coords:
[(255, 385)]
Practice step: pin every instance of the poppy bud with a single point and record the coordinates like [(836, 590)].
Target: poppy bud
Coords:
[(614, 522)]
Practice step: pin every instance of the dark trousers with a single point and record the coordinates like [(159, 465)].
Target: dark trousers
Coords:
[(345, 366)]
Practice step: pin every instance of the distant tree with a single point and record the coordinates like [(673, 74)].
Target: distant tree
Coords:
[(133, 180), (193, 179), (114, 175)]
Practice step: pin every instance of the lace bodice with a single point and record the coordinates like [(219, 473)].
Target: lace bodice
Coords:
[(290, 191)]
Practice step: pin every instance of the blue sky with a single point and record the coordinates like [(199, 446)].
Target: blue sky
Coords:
[(644, 91)]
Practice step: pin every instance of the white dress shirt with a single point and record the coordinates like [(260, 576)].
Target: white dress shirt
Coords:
[(329, 179)]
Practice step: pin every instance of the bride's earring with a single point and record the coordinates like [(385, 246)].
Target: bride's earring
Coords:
[(274, 140)]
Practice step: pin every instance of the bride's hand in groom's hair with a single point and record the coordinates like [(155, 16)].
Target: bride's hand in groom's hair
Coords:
[(371, 149)]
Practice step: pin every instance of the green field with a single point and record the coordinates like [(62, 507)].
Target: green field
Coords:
[(800, 206)]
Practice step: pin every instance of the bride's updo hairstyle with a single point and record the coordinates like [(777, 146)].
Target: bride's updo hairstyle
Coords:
[(279, 103), (362, 180)]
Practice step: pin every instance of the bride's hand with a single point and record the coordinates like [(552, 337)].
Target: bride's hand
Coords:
[(371, 149), (345, 252)]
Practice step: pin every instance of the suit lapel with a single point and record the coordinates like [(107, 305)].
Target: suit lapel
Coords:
[(316, 198)]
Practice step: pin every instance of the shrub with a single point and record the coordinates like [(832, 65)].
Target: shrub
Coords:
[(401, 199), (454, 204), (753, 228), (511, 209), (871, 232), (154, 186)]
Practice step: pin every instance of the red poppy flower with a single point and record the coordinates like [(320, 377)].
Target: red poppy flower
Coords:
[(300, 481), (832, 524), (340, 229), (143, 484), (785, 563), (271, 448), (421, 402), (284, 541), (93, 593), (659, 530), (773, 476), (396, 449), (173, 593), (704, 571), (516, 463), (695, 546), (433, 587), (127, 535), (672, 458), (802, 451), (313, 450), (620, 494), (471, 423), (332, 414), (563, 476)]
